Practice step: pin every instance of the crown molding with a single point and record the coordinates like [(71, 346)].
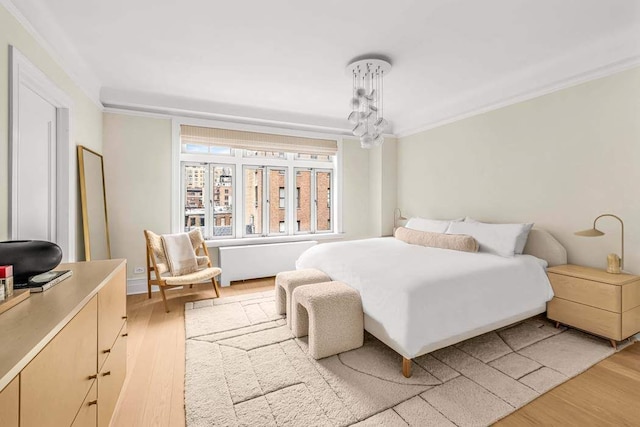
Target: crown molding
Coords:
[(164, 106), (64, 54), (605, 58)]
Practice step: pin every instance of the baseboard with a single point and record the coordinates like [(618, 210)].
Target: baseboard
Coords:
[(138, 286)]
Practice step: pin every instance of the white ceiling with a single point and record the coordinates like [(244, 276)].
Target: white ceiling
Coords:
[(285, 59)]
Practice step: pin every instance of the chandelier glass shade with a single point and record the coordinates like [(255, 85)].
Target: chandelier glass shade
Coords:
[(367, 104)]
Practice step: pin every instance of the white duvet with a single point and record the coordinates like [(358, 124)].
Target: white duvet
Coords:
[(415, 297)]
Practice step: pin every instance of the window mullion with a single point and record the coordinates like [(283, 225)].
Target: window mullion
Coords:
[(314, 202), (207, 200), (266, 202)]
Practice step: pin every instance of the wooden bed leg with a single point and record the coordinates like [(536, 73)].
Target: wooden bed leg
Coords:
[(614, 344), (557, 325), (406, 367)]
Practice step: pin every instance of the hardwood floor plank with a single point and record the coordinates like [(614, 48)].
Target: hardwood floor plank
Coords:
[(153, 394)]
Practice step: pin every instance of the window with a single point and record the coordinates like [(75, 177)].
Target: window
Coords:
[(313, 210), (203, 207), (282, 189), (323, 193), (268, 154)]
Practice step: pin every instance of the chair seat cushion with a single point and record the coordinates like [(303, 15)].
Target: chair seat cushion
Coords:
[(195, 277)]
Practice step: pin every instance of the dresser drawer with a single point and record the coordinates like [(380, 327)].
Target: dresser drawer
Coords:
[(55, 383), (88, 414), (112, 312), (10, 404), (590, 319), (594, 294), (111, 378)]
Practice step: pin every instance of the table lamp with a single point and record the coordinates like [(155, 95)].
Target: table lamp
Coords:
[(397, 216), (615, 264)]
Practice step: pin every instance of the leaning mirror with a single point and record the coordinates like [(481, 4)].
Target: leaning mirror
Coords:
[(94, 205)]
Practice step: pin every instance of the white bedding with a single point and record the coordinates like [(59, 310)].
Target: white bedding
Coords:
[(415, 297)]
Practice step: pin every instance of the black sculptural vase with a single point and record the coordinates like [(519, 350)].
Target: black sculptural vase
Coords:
[(29, 257)]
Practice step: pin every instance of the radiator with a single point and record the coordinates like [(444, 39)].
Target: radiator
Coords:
[(255, 261)]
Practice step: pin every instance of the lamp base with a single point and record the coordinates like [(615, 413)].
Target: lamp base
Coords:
[(613, 264)]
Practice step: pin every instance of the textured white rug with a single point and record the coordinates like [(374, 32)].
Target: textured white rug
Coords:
[(244, 367)]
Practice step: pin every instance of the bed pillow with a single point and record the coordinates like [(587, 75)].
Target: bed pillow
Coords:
[(437, 240), (522, 237), (499, 239), (430, 225)]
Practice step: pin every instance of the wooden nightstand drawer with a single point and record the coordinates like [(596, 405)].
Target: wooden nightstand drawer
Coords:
[(631, 322), (594, 294), (590, 319)]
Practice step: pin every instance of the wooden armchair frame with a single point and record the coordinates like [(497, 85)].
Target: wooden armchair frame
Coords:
[(161, 282)]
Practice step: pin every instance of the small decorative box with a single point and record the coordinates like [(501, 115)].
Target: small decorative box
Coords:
[(6, 271), (6, 281)]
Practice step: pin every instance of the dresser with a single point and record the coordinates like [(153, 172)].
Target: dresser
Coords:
[(595, 301), (63, 351)]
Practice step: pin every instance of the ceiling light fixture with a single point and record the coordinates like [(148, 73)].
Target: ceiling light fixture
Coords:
[(367, 109)]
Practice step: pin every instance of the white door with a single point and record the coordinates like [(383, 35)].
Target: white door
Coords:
[(36, 167)]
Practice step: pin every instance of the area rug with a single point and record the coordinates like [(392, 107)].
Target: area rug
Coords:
[(244, 368)]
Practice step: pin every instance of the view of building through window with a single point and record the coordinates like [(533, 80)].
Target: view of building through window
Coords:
[(281, 193), (196, 206)]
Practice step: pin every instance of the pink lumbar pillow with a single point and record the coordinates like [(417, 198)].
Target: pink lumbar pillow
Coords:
[(456, 242)]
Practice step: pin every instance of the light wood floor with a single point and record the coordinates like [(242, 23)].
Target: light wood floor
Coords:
[(153, 393)]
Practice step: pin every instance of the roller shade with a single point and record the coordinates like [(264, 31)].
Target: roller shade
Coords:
[(256, 141)]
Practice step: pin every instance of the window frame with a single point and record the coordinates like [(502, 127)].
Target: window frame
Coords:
[(238, 160), (209, 201)]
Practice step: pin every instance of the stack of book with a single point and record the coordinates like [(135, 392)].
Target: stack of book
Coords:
[(44, 281)]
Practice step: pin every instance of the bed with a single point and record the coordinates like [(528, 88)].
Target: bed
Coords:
[(419, 299)]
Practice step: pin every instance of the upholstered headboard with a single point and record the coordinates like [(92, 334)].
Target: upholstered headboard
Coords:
[(543, 245)]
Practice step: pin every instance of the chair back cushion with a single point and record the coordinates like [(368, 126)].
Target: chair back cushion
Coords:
[(157, 251)]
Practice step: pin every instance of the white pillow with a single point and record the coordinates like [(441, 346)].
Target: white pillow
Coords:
[(499, 239), (522, 237), (430, 225)]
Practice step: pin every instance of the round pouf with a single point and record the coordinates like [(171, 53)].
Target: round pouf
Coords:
[(29, 257)]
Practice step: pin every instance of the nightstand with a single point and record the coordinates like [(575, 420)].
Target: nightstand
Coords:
[(595, 301)]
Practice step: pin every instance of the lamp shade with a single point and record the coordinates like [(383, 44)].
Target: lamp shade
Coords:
[(591, 232)]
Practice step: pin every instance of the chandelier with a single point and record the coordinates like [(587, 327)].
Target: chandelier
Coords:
[(367, 109)]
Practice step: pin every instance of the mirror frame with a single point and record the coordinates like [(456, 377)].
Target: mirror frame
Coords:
[(83, 199)]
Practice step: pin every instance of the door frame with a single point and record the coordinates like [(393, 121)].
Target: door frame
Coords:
[(23, 72)]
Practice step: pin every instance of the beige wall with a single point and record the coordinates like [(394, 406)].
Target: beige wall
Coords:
[(383, 187), (86, 119), (137, 158), (137, 161), (356, 211), (558, 160)]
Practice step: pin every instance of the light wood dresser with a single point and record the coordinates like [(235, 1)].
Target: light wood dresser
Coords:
[(595, 301), (63, 351)]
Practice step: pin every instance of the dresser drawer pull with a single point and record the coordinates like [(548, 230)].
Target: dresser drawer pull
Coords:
[(93, 402), (107, 351), (125, 334), (124, 317), (93, 377), (106, 373)]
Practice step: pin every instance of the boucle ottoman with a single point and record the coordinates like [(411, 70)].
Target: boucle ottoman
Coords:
[(287, 281), (331, 314)]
